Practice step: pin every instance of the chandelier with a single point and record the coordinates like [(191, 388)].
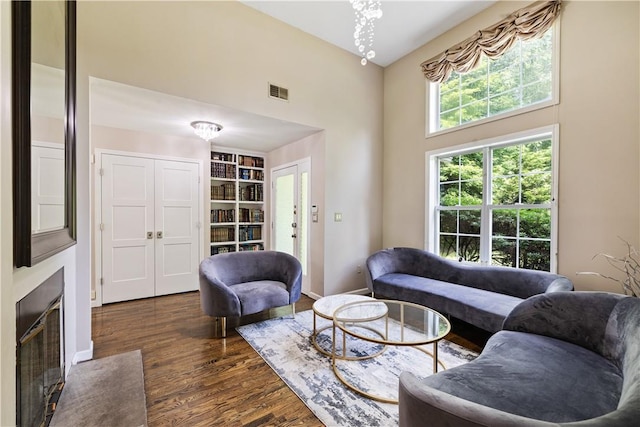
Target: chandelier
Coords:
[(367, 11), (206, 130)]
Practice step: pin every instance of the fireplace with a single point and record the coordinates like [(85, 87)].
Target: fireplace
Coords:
[(40, 351)]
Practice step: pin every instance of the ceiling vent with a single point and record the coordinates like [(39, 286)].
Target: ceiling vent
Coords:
[(278, 92)]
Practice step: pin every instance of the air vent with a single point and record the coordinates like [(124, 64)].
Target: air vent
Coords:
[(278, 92)]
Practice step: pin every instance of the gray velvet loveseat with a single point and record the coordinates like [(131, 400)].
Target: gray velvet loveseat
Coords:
[(479, 295), (561, 359)]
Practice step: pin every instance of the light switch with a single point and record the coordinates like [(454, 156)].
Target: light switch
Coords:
[(337, 216)]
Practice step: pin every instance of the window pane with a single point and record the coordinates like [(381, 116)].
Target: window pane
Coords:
[(506, 191), (448, 246), (536, 188), (535, 223), (536, 156), (450, 119), (471, 193), (470, 222), (449, 194), (449, 169), (506, 160), (520, 77), (535, 255), (469, 249), (505, 222), (503, 252), (474, 111), (506, 101), (471, 166), (448, 221)]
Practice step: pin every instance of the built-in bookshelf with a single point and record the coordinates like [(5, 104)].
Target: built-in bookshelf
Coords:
[(237, 202)]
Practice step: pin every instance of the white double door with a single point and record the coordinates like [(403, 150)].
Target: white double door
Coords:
[(150, 229)]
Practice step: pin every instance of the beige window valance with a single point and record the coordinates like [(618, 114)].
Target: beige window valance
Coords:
[(526, 23)]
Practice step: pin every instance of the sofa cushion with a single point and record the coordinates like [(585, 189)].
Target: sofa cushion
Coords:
[(536, 377), (484, 309), (259, 295)]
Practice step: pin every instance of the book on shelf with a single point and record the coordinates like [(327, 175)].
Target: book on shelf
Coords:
[(251, 174), (223, 157), (223, 215), (215, 250), (251, 247), (223, 234), (250, 232), (251, 193), (225, 191), (250, 161), (250, 215), (223, 170)]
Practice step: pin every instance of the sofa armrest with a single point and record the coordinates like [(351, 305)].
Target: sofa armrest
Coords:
[(576, 317), (419, 403), (559, 285)]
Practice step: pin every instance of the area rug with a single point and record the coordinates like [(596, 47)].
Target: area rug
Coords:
[(104, 392), (284, 343)]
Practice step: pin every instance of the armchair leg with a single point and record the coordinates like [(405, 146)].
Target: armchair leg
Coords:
[(223, 324), (293, 309)]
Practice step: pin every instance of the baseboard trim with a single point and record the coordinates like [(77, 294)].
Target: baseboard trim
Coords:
[(84, 355)]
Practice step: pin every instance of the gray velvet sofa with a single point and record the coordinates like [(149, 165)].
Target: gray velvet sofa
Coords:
[(566, 358), (241, 283), (479, 295)]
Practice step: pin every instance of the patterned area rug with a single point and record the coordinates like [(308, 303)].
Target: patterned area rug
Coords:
[(285, 344)]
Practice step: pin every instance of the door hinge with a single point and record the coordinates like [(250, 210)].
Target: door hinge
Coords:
[(101, 281), (101, 171), (102, 226)]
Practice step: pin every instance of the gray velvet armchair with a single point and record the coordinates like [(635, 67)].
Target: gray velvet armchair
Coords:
[(241, 283)]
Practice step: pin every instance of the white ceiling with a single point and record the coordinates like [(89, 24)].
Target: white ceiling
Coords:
[(404, 26)]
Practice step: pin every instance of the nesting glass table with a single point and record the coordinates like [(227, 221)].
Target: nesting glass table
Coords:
[(387, 323)]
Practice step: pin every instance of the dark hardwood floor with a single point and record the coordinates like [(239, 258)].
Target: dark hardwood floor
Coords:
[(193, 377)]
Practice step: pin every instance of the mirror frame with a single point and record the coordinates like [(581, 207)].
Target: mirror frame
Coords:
[(28, 248)]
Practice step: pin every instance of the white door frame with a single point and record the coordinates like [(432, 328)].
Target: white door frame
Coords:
[(96, 300), (303, 165)]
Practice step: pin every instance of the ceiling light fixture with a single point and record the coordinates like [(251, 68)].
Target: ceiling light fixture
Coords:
[(367, 11), (206, 130)]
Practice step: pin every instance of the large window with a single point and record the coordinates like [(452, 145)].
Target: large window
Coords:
[(494, 202), (520, 78)]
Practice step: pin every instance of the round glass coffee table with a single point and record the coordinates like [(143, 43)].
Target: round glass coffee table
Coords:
[(324, 307), (395, 323)]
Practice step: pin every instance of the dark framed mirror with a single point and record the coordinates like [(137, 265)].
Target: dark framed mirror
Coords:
[(44, 128)]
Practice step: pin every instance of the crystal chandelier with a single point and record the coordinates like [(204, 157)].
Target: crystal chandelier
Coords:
[(206, 130), (367, 11)]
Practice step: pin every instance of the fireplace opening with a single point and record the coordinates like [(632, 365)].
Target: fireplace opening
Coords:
[(40, 352)]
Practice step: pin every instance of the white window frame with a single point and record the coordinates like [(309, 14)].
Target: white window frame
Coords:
[(432, 97), (432, 190)]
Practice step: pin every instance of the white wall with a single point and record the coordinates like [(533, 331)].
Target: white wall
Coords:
[(225, 53), (599, 182), (16, 283)]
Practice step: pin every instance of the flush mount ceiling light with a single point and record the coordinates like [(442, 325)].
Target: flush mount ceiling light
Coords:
[(367, 11), (206, 130)]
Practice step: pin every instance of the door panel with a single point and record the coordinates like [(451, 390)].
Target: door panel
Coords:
[(127, 216), (47, 181), (176, 214), (290, 200)]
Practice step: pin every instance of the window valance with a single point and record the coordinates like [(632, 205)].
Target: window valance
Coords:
[(526, 23)]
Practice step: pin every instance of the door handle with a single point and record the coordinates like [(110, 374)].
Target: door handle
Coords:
[(149, 234), (159, 234)]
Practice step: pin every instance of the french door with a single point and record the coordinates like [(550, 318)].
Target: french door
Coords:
[(149, 225), (290, 205)]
